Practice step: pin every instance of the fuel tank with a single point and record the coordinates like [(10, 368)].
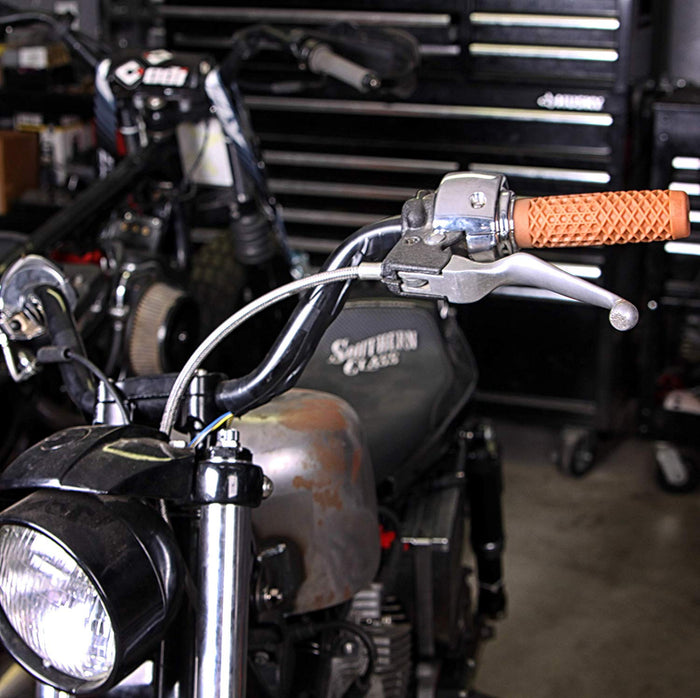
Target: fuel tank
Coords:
[(310, 445)]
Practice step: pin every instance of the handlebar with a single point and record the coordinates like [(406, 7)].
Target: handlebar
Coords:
[(605, 218), (467, 208), (322, 59), (291, 352), (456, 243), (308, 48)]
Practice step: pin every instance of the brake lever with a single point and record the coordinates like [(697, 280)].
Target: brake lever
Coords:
[(463, 281), (461, 241)]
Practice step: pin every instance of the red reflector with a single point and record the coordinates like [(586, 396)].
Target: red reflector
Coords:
[(386, 538)]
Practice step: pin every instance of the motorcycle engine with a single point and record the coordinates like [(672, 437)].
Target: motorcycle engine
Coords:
[(162, 327), (385, 623)]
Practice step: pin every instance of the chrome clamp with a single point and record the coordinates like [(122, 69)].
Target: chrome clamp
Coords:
[(478, 206)]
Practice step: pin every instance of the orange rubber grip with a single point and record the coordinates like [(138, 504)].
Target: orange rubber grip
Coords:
[(606, 218)]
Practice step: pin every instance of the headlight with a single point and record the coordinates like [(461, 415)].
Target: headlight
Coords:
[(87, 585), (48, 598)]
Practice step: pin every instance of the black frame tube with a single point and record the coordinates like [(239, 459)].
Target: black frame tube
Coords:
[(97, 199)]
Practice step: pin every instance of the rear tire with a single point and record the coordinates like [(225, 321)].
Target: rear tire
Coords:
[(216, 282)]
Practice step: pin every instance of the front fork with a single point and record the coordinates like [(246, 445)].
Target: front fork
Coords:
[(222, 616), (228, 485), (45, 691)]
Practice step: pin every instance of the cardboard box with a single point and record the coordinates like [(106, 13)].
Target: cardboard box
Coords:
[(19, 166)]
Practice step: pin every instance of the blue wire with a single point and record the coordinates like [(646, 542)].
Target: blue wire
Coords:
[(212, 425)]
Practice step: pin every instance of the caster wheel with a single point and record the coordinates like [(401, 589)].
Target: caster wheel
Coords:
[(676, 472), (577, 452)]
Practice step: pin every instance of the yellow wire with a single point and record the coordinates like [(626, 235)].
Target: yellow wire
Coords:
[(212, 429)]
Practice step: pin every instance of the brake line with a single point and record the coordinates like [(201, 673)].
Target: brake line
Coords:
[(367, 271)]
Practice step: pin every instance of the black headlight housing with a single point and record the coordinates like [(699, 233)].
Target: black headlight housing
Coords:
[(121, 553)]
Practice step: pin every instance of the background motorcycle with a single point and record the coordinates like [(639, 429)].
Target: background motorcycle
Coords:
[(234, 577), (175, 147)]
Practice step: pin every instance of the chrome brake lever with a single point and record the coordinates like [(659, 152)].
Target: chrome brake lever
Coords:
[(464, 281)]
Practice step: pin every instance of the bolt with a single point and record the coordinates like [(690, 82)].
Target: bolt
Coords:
[(261, 658), (155, 103), (412, 240), (227, 438), (652, 305), (478, 199), (267, 487), (273, 596), (349, 649)]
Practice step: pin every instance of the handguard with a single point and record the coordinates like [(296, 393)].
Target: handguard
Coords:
[(458, 243)]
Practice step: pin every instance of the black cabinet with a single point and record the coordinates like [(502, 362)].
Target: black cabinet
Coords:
[(672, 404), (541, 90)]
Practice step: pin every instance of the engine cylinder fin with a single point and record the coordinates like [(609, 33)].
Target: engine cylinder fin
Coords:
[(385, 622)]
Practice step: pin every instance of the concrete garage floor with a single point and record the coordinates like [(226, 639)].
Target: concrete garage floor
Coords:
[(603, 579)]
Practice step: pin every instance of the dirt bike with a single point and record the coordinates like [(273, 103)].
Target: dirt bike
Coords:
[(175, 148), (208, 536)]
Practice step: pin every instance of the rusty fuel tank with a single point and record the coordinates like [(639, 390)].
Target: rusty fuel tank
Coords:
[(310, 445)]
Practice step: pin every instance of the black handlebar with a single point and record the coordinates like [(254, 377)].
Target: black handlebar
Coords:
[(63, 332), (323, 60), (280, 369), (295, 345)]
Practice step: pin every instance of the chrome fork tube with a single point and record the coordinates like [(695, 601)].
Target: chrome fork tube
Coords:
[(225, 563), (45, 691)]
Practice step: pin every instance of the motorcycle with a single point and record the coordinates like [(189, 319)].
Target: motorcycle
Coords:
[(214, 536), (175, 147)]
